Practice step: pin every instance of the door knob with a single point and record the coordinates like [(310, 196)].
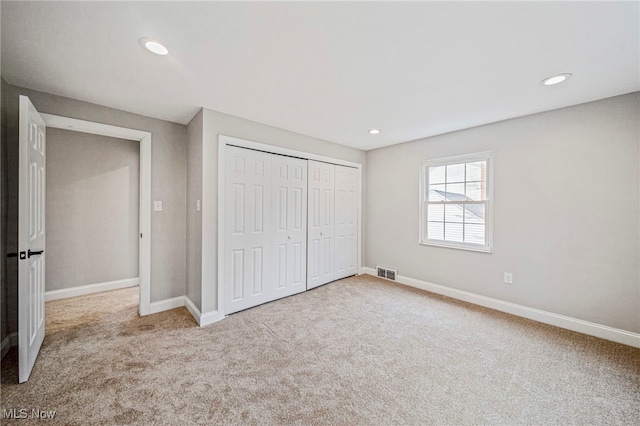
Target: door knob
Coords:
[(34, 253)]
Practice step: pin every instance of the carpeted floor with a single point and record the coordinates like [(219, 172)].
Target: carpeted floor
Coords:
[(360, 351)]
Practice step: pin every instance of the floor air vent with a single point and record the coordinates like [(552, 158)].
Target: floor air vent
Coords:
[(387, 273)]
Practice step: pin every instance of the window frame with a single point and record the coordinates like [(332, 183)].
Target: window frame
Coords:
[(424, 201)]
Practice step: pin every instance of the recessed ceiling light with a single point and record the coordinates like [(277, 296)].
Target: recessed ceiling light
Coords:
[(555, 79), (153, 46), (374, 131)]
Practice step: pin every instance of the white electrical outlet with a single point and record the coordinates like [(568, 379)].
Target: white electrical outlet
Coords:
[(508, 278)]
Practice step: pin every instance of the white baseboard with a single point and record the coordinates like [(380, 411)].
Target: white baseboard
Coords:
[(574, 324), (7, 343), (202, 319), (193, 309), (209, 318), (90, 288), (167, 304), (177, 302)]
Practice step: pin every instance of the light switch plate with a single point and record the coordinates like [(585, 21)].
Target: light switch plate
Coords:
[(157, 206)]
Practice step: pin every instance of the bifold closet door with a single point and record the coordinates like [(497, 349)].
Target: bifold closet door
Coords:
[(266, 228), (346, 218), (289, 225), (321, 231), (247, 234)]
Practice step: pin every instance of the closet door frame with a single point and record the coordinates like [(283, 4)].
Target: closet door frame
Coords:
[(223, 142)]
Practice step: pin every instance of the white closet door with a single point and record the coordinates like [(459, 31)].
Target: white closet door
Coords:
[(321, 224), (289, 225), (346, 217), (248, 237)]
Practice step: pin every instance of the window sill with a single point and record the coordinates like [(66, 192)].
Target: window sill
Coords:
[(481, 249)]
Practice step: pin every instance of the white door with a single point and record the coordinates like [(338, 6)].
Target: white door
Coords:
[(321, 224), (248, 224), (346, 217), (31, 235), (289, 225)]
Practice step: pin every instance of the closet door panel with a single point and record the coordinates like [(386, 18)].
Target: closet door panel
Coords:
[(247, 234), (289, 225), (321, 231), (346, 221)]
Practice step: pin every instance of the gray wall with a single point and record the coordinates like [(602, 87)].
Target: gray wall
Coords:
[(92, 214), (168, 181), (194, 218), (566, 212), (214, 124), (4, 307)]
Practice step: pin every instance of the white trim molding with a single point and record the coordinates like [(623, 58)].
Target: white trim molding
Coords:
[(273, 149), (166, 305), (210, 317), (424, 197), (144, 138), (202, 319), (90, 289), (9, 341), (183, 301), (593, 329), (193, 309)]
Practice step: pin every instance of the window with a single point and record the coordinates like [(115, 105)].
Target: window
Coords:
[(455, 202)]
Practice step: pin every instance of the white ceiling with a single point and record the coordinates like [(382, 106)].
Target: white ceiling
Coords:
[(328, 70)]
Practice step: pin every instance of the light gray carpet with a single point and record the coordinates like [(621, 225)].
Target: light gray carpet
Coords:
[(360, 351)]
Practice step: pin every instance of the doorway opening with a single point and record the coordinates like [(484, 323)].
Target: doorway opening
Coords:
[(144, 197), (92, 213)]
